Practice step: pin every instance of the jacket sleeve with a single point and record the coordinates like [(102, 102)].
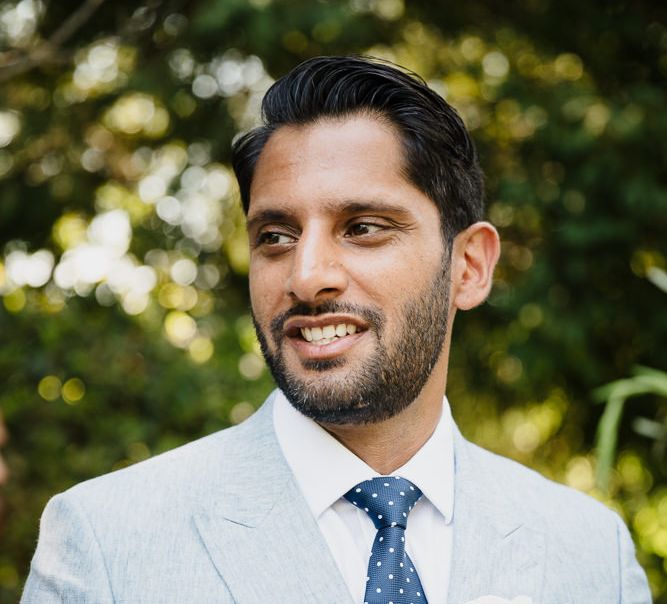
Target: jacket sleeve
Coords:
[(68, 566), (634, 586)]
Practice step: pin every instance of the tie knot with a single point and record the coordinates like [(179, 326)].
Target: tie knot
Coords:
[(386, 499)]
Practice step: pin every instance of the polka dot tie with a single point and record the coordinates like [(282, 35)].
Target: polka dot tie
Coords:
[(392, 578)]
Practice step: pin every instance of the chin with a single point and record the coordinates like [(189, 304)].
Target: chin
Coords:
[(349, 412)]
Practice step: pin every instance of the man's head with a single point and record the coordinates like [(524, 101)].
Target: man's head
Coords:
[(349, 187), (439, 157)]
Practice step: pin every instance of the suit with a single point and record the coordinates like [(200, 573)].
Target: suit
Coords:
[(222, 520)]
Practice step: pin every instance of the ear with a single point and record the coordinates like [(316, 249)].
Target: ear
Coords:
[(474, 256)]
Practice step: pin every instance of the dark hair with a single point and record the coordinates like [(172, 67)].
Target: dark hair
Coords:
[(440, 157)]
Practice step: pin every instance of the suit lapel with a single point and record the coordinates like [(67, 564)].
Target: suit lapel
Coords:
[(260, 533), (496, 551), (266, 545)]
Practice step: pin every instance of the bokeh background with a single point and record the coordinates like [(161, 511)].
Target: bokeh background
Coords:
[(124, 318)]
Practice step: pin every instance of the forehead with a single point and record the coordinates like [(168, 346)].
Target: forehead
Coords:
[(346, 159)]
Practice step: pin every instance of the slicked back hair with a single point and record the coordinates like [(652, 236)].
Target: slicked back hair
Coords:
[(439, 156)]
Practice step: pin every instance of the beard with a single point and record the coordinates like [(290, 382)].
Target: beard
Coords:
[(388, 381)]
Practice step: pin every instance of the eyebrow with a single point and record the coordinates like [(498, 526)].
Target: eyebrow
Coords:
[(345, 207), (359, 207), (267, 216)]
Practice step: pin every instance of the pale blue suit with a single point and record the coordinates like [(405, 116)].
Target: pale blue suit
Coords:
[(222, 520)]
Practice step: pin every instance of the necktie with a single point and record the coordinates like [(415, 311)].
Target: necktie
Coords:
[(391, 577)]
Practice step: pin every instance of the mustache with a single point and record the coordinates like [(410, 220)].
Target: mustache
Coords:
[(373, 316)]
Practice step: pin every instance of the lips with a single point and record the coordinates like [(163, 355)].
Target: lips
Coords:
[(328, 333), (324, 336)]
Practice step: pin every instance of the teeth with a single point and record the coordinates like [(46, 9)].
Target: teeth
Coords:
[(328, 333)]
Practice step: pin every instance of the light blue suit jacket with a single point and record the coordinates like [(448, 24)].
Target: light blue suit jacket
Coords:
[(222, 520)]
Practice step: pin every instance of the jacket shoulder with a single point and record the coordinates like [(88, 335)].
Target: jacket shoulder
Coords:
[(559, 508), (184, 474)]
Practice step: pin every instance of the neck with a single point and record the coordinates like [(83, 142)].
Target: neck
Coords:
[(388, 445)]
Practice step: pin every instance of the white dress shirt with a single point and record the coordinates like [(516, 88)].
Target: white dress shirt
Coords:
[(325, 470)]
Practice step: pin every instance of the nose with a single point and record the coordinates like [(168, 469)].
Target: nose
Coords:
[(317, 273)]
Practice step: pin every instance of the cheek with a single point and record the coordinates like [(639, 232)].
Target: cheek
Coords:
[(257, 294), (265, 293), (395, 275)]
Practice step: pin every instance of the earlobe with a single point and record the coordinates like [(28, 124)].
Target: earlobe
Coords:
[(475, 254)]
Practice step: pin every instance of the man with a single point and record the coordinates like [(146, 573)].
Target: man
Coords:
[(364, 203)]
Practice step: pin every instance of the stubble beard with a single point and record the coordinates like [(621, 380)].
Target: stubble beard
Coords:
[(388, 381)]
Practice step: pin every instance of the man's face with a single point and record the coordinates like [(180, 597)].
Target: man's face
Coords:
[(349, 276)]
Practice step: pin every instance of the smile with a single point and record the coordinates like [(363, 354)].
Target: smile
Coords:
[(324, 336), (327, 333)]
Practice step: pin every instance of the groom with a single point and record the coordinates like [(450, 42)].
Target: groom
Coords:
[(352, 483)]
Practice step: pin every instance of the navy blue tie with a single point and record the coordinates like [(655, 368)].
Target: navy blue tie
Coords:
[(391, 578)]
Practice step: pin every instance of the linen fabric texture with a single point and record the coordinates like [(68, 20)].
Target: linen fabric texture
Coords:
[(222, 520)]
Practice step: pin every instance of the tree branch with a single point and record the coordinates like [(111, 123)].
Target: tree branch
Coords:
[(46, 49)]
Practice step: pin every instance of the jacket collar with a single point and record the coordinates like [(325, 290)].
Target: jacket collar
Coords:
[(256, 518), (498, 549), (259, 531)]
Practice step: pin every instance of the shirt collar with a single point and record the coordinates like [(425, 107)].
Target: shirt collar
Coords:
[(325, 469)]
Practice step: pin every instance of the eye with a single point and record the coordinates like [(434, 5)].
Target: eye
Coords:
[(274, 238), (363, 228)]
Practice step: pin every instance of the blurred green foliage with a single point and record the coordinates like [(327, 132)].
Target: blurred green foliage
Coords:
[(125, 316), (615, 395)]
